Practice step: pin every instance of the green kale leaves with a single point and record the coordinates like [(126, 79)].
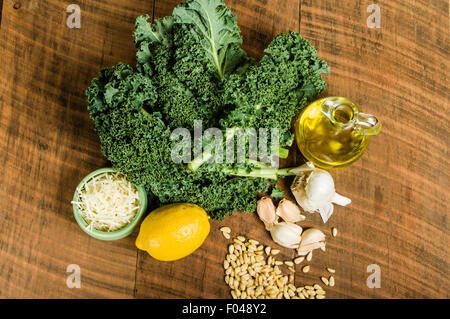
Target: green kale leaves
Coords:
[(216, 29), (190, 67)]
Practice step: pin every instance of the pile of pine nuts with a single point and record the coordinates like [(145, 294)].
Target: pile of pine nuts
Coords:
[(251, 275)]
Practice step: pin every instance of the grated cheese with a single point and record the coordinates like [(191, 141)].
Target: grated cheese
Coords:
[(108, 202)]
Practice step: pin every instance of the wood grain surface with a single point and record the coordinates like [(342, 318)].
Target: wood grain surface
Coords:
[(398, 218)]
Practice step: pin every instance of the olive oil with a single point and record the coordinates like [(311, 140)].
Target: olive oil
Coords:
[(332, 133)]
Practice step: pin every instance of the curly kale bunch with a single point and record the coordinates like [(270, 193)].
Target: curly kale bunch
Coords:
[(190, 67)]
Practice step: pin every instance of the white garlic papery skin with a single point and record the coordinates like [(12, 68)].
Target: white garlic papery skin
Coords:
[(314, 191), (289, 211), (267, 212), (286, 234)]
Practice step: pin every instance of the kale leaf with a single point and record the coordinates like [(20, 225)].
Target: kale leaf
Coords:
[(190, 67)]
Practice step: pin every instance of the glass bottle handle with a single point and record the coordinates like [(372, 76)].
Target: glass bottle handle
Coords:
[(368, 124)]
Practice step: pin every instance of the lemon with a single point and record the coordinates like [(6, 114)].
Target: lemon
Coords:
[(173, 231)]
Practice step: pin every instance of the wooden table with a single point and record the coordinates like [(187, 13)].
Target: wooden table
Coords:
[(398, 218)]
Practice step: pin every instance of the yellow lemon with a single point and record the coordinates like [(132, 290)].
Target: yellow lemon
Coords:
[(173, 231)]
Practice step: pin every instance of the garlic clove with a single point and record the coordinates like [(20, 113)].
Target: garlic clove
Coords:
[(312, 235), (266, 212), (286, 234), (312, 238), (305, 249), (289, 211)]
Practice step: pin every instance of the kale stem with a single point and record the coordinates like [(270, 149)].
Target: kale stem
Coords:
[(207, 153), (229, 134), (263, 172)]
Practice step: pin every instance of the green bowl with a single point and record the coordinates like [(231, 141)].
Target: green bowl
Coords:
[(118, 234)]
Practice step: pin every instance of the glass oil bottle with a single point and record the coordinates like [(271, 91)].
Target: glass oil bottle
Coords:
[(333, 133)]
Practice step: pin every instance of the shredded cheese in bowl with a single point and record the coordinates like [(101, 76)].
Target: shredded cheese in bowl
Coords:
[(108, 202)]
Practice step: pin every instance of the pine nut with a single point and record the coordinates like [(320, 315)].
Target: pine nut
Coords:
[(289, 263), (317, 287), (331, 280), (334, 231), (250, 275), (225, 229)]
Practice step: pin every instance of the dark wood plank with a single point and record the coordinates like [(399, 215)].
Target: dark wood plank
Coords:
[(400, 188), (48, 144), (261, 20), (1, 8)]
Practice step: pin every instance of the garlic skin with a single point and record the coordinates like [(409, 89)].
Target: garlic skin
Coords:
[(289, 211), (312, 238), (314, 191), (267, 212), (286, 234)]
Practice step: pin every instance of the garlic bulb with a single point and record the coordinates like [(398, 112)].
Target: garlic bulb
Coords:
[(266, 212), (289, 211), (314, 191), (286, 234), (312, 238)]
